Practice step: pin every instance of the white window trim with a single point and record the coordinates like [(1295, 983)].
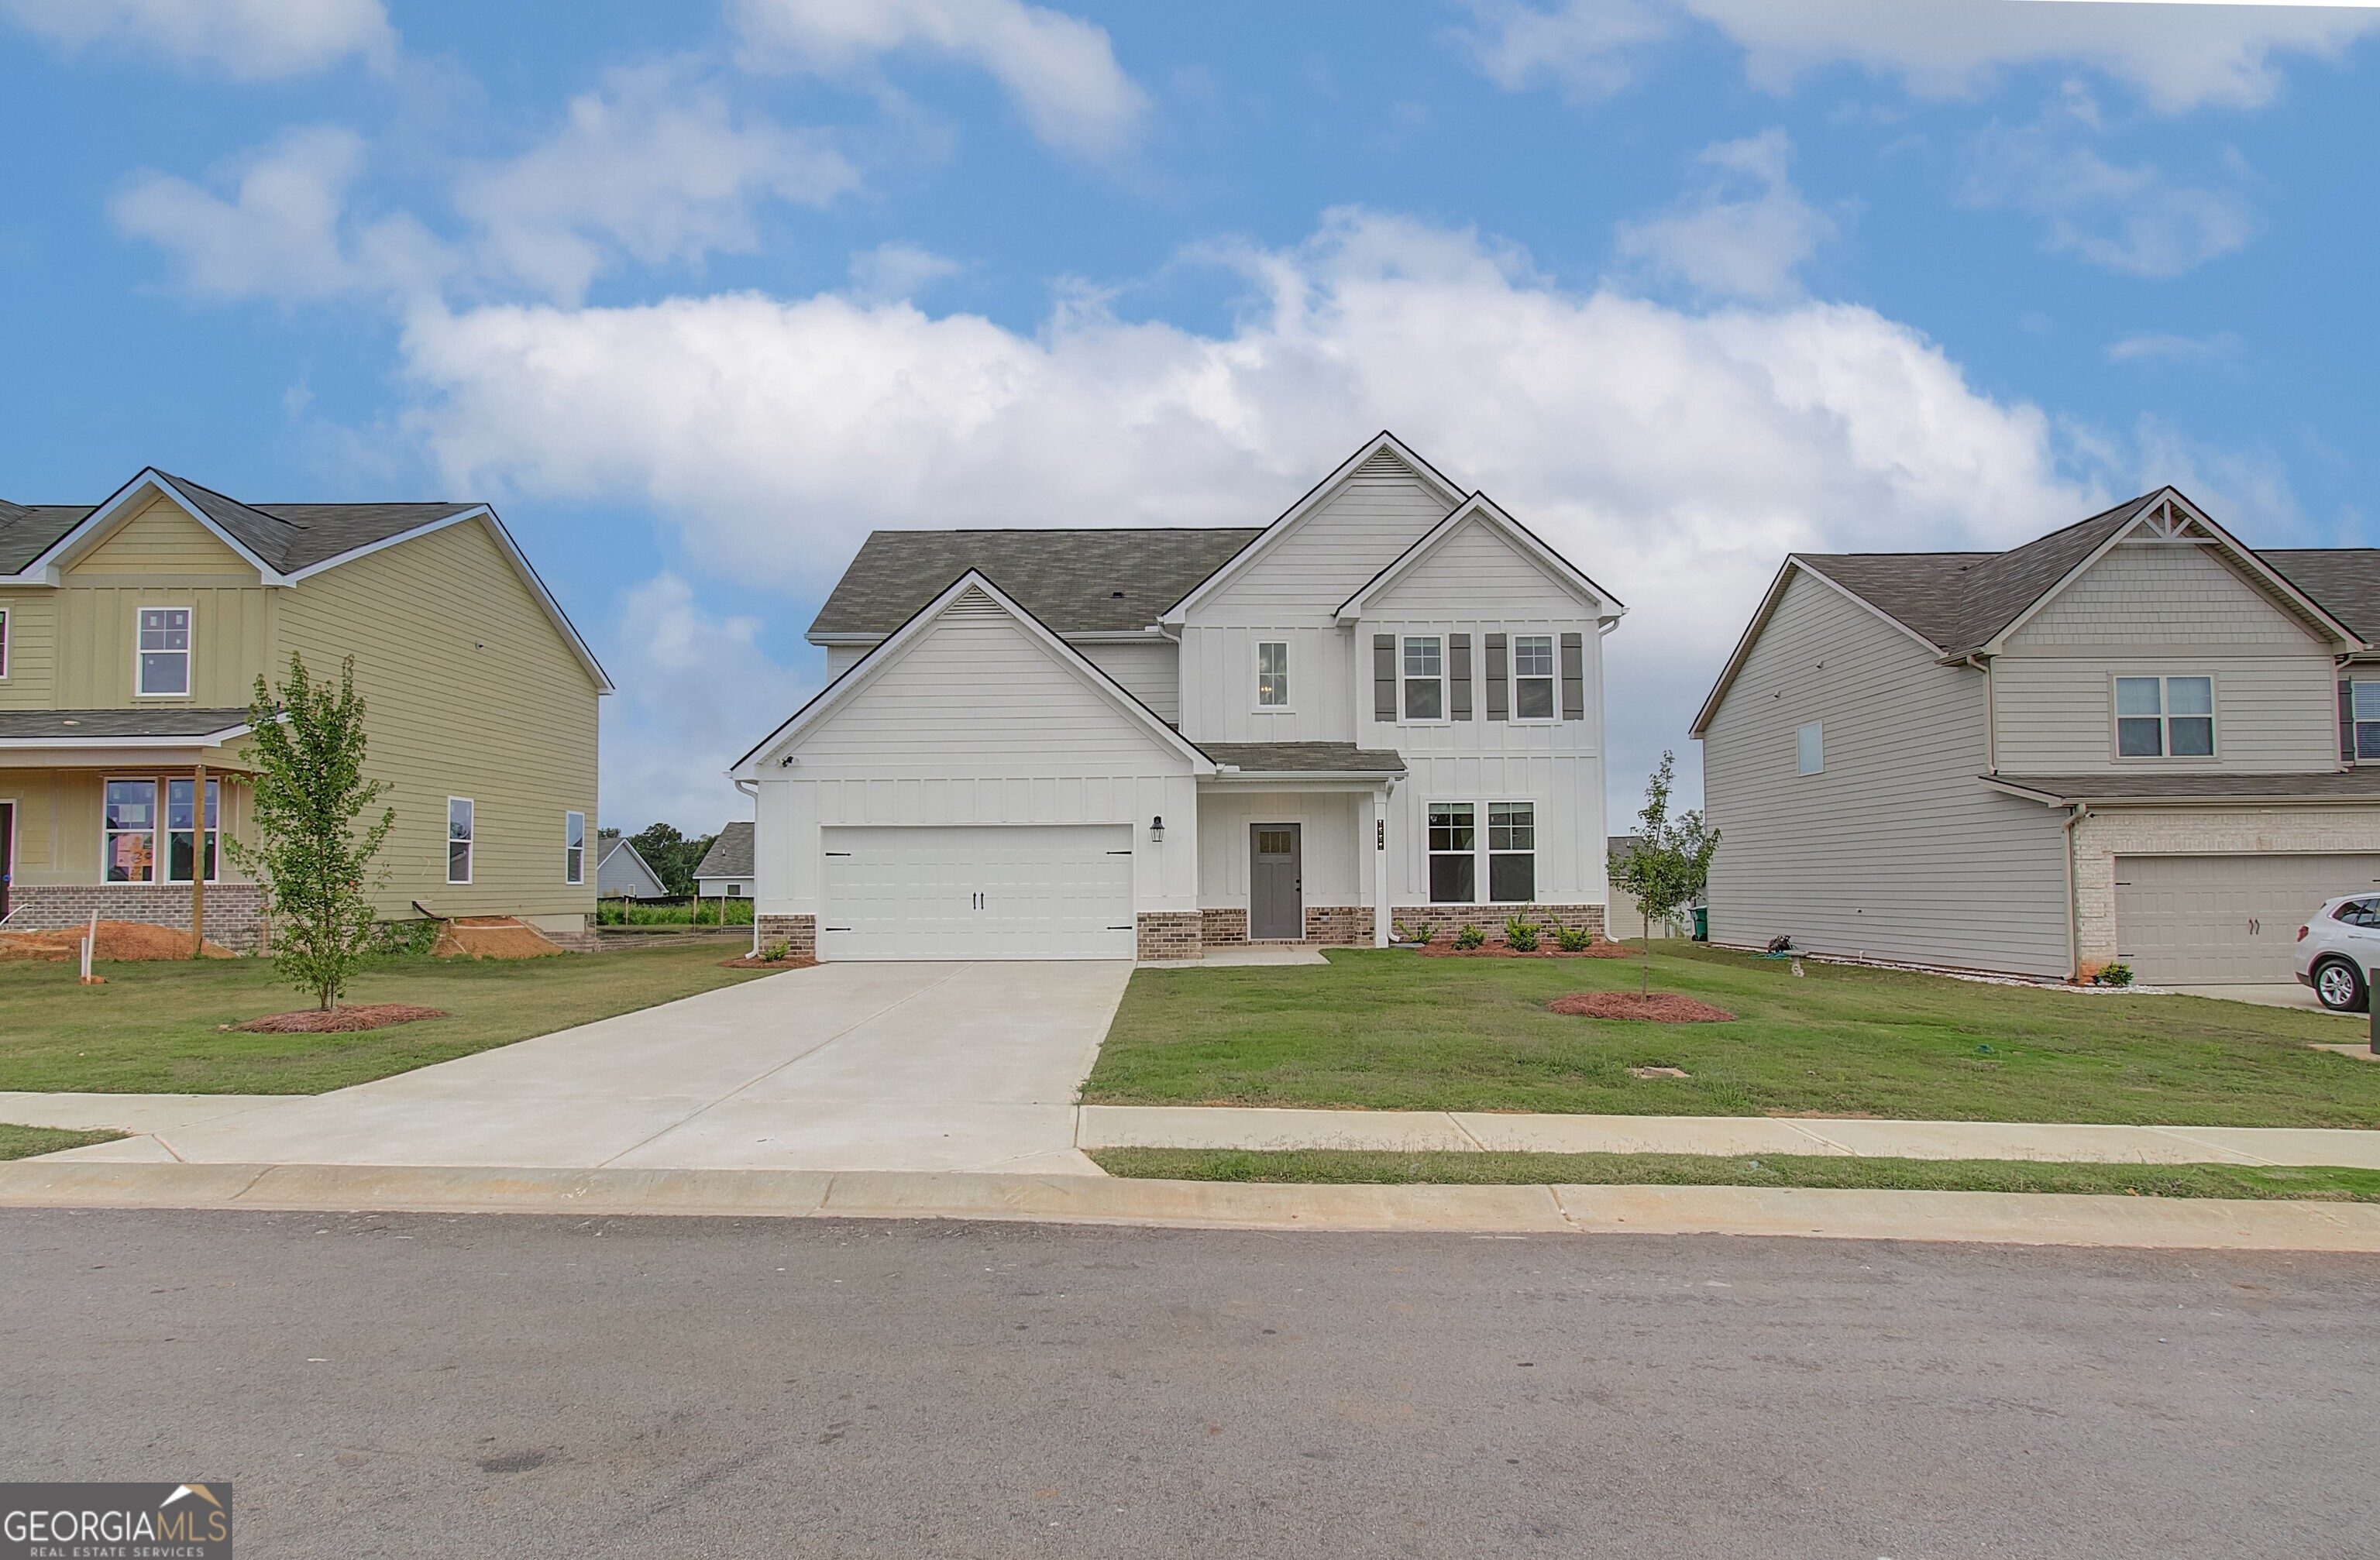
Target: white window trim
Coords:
[(1483, 856), (1552, 680), (189, 656), (470, 844), (163, 847), (1820, 767), (107, 837), (7, 660), (2213, 718), (568, 814), (1287, 706), (1444, 680)]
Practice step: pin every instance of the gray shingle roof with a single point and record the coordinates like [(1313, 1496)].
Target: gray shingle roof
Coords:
[(1075, 581), (2346, 580), (2351, 785), (729, 856), (1292, 758), (288, 536), (90, 725)]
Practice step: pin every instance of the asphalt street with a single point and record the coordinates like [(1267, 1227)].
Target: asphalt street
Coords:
[(533, 1387)]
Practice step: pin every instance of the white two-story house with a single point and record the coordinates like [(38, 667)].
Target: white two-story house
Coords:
[(1385, 707), (2132, 741)]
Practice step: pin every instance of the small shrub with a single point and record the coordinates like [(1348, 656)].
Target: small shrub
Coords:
[(1521, 935), (2113, 975), (776, 950), (1574, 939), (1415, 935), (1469, 937)]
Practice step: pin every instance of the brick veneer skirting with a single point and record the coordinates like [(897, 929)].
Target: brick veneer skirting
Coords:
[(234, 910), (799, 932), (1339, 926), (1443, 920), (1170, 934), (1222, 928)]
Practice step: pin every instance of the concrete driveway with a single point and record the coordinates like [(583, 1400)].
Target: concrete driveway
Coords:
[(844, 1067)]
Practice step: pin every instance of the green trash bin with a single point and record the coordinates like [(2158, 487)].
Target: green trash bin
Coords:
[(1702, 923)]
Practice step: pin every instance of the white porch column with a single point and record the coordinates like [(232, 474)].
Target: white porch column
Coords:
[(1377, 831)]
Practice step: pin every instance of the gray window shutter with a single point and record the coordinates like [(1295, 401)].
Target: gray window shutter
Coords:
[(1384, 677), (1458, 676), (1499, 690), (2347, 719), (1573, 676)]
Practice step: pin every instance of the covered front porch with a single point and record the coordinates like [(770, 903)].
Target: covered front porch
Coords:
[(121, 814), (1294, 840)]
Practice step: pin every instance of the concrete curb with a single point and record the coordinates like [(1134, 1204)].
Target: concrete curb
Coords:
[(1964, 1216)]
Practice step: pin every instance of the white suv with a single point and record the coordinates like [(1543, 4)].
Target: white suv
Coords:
[(2337, 949)]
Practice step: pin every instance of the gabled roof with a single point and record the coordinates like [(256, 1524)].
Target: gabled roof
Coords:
[(1383, 445), (2346, 580), (621, 843), (891, 648), (730, 854), (1113, 581), (1482, 509)]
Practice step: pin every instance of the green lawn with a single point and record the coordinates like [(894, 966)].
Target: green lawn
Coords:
[(23, 1143), (1340, 1167), (155, 1028), (1389, 1030)]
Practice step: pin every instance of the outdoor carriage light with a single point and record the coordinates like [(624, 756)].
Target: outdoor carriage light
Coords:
[(1156, 830)]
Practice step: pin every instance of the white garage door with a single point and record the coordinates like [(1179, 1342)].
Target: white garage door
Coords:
[(1026, 891), (2224, 920)]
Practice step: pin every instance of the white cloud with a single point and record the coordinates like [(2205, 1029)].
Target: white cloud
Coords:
[(1674, 455), (1060, 71), (248, 40), (1588, 45), (2155, 347), (893, 272), (1744, 234), (691, 686), (284, 231), (652, 166), (2134, 219), (2179, 57)]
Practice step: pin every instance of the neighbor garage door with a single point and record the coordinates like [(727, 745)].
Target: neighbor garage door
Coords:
[(2224, 920), (1028, 891)]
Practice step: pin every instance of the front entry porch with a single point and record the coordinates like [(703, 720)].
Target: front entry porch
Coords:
[(1292, 842)]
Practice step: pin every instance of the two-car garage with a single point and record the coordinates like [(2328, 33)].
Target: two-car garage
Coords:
[(2224, 920), (978, 891)]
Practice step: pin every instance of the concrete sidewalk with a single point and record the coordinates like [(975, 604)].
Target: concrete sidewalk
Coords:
[(1965, 1217), (1419, 1132)]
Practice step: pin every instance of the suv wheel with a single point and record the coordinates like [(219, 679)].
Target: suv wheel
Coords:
[(2339, 985)]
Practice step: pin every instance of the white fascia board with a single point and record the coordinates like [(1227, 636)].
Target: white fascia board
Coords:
[(869, 666), (45, 569), (1480, 506), (144, 745), (1263, 541)]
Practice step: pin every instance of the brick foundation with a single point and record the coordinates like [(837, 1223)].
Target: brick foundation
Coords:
[(1171, 934), (234, 910), (1339, 926), (1222, 928), (799, 932), (1444, 920)]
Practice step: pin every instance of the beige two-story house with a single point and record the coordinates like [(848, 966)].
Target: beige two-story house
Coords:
[(2134, 740), (132, 636)]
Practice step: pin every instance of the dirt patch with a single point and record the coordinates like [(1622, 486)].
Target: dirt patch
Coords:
[(1659, 1007), (798, 961), (1439, 948), (490, 937), (126, 940), (1659, 1072), (339, 1020)]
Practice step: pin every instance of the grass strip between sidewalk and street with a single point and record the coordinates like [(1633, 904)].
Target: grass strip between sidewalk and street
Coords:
[(23, 1143), (1338, 1167)]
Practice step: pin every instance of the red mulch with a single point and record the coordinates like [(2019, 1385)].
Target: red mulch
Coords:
[(339, 1020), (1660, 1008), (117, 939), (1440, 947), (798, 961)]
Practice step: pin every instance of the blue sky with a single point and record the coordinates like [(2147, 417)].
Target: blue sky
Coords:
[(698, 296)]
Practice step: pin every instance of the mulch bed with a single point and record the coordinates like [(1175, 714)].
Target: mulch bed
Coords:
[(1660, 1008), (339, 1020), (798, 961), (1439, 948)]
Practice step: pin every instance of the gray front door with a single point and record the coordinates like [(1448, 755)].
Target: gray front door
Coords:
[(1276, 886)]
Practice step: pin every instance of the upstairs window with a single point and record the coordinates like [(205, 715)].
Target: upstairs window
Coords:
[(574, 847), (2165, 717), (2365, 711), (1532, 677), (4, 644), (165, 652), (1425, 679), (458, 839), (1810, 748), (1272, 675)]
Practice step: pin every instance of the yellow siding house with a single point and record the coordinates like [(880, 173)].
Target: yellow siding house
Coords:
[(131, 635)]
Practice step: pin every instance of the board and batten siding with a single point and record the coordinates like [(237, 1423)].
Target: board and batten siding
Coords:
[(1895, 850), (975, 722), (1330, 844), (31, 681)]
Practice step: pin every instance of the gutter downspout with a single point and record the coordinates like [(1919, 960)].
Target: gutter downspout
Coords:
[(752, 789), (2073, 909), (1991, 717)]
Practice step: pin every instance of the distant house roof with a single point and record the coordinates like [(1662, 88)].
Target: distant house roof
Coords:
[(729, 856), (1075, 581), (2064, 791), (1310, 757), (611, 862), (290, 537)]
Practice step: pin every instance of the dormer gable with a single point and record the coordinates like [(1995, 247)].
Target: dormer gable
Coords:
[(1480, 559)]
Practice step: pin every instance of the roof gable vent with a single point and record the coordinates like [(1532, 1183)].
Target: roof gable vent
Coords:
[(972, 603)]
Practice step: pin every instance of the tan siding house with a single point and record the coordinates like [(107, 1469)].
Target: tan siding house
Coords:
[(131, 635)]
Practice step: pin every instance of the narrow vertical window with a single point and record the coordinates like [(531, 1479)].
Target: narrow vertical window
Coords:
[(4, 644), (164, 651), (1273, 674), (1532, 677), (574, 847), (1512, 852), (2365, 709), (1425, 680), (1810, 747), (183, 831), (1453, 853), (2190, 716), (458, 840), (131, 831)]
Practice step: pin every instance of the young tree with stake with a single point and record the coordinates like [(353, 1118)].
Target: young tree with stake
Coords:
[(1670, 865), (312, 855)]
